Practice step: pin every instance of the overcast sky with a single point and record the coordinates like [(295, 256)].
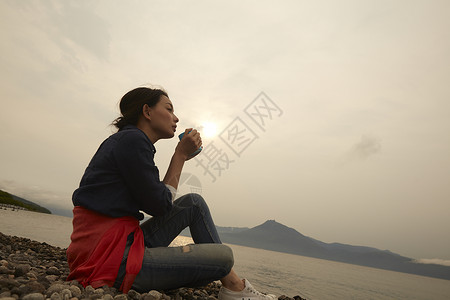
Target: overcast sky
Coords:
[(331, 117)]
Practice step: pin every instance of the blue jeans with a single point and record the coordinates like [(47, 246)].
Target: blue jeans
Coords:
[(194, 265)]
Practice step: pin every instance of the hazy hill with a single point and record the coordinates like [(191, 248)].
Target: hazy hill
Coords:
[(277, 237), (274, 236), (7, 198)]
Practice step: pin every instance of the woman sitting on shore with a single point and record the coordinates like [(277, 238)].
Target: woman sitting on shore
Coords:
[(110, 247)]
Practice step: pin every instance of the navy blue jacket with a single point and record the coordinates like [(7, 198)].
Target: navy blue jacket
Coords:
[(122, 179)]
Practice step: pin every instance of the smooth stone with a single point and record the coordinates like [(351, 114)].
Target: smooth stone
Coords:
[(5, 294), (51, 278), (22, 269), (34, 296), (8, 283), (121, 297), (55, 288), (53, 271), (32, 275), (66, 294), (134, 295), (89, 289), (153, 295), (5, 270), (4, 263), (56, 296), (99, 291), (76, 292)]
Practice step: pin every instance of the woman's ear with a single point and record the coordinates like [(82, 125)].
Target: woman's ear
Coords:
[(146, 111)]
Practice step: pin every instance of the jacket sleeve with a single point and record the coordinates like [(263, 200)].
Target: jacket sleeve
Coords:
[(134, 157)]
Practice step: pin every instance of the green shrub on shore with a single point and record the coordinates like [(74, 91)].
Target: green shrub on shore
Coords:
[(7, 198)]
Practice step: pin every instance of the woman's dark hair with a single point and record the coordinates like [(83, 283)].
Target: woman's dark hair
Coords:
[(132, 102)]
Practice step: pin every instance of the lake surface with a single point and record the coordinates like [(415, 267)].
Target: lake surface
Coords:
[(313, 278), (269, 271)]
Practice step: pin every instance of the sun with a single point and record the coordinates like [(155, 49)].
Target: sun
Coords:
[(208, 129)]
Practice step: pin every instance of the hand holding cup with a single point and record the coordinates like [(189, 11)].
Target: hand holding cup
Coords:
[(192, 142)]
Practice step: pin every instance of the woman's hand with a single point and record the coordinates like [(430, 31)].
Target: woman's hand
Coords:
[(190, 143), (185, 150)]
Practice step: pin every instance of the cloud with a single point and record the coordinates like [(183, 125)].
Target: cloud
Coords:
[(92, 33), (367, 146), (435, 261)]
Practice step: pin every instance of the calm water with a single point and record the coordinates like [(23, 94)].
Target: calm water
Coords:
[(312, 278), (269, 271)]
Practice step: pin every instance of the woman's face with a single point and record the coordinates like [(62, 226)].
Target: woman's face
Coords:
[(163, 121)]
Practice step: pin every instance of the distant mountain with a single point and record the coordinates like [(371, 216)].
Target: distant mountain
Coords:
[(274, 236), (7, 198)]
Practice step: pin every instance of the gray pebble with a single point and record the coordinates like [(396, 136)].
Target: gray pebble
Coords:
[(32, 275), (95, 296), (121, 297), (8, 283), (53, 271), (4, 263), (76, 292), (5, 294), (99, 291), (22, 269), (134, 295), (51, 278), (55, 296), (66, 294), (55, 288), (155, 293), (34, 296), (89, 290)]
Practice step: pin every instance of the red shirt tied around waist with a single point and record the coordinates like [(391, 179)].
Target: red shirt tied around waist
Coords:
[(97, 247)]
